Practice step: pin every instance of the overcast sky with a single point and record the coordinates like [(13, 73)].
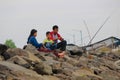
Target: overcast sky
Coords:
[(18, 17)]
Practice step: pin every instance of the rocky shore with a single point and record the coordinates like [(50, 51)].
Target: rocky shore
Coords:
[(30, 64)]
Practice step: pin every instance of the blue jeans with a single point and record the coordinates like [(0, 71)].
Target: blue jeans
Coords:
[(51, 46)]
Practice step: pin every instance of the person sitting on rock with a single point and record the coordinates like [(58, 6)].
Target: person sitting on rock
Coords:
[(32, 39), (55, 36), (48, 43)]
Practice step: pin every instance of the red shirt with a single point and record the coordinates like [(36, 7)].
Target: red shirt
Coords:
[(55, 36)]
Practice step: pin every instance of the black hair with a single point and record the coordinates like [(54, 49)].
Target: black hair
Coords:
[(33, 31), (55, 27), (48, 32)]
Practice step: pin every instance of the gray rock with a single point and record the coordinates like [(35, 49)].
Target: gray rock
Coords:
[(117, 64), (20, 61), (56, 66), (110, 75), (46, 77), (31, 49), (15, 72), (25, 54), (42, 68), (74, 50), (17, 51)]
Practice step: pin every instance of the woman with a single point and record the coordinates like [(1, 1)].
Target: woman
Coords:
[(32, 39)]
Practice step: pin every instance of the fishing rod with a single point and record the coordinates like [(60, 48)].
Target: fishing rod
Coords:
[(87, 29), (99, 30)]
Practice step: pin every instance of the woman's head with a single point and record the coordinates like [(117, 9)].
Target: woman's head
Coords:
[(33, 32)]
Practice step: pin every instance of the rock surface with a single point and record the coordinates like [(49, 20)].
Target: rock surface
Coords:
[(11, 71), (30, 64)]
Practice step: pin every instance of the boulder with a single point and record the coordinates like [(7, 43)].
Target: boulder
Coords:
[(6, 55), (117, 64), (17, 51), (1, 58), (43, 68), (73, 62), (74, 50), (3, 48), (110, 75), (83, 73), (32, 57), (31, 49), (56, 66), (11, 71), (25, 54), (47, 77), (20, 61)]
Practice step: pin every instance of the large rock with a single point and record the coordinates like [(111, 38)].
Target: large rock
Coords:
[(74, 50), (50, 78), (117, 64), (25, 54), (110, 75), (1, 58), (9, 71), (20, 61), (43, 68), (3, 48), (3, 52), (81, 73), (72, 61), (17, 51), (31, 49), (56, 66)]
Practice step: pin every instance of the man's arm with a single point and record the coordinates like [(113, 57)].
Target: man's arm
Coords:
[(59, 37)]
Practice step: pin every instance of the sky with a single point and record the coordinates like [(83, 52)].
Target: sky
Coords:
[(18, 17)]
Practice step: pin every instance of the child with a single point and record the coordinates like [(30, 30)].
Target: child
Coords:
[(48, 43), (51, 45)]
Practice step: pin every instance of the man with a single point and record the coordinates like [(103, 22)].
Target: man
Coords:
[(55, 36)]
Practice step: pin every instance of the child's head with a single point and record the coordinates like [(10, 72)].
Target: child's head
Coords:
[(48, 35)]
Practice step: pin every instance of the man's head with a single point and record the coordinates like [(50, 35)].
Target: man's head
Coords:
[(55, 28)]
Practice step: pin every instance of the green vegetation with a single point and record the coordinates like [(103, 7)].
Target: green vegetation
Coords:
[(10, 43)]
